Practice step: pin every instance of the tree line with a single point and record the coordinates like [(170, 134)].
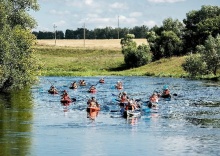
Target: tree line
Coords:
[(97, 33), (197, 36)]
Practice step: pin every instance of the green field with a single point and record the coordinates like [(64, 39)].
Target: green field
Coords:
[(100, 58), (72, 61)]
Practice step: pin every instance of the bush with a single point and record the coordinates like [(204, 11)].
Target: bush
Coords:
[(135, 56), (194, 65)]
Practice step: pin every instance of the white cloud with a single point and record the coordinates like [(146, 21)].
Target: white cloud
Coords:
[(165, 1), (118, 5), (56, 12), (40, 28), (88, 2), (73, 3), (150, 23), (92, 16), (60, 23), (135, 14)]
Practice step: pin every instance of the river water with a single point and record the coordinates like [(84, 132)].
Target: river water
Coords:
[(33, 122)]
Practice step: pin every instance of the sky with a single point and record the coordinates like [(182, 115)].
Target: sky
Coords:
[(72, 14)]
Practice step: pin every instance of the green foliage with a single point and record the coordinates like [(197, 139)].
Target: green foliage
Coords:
[(207, 61), (18, 66), (210, 52), (151, 36), (199, 24), (165, 41), (127, 43), (17, 13), (175, 26), (135, 56), (194, 65)]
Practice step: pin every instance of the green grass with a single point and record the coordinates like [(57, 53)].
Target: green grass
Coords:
[(70, 61)]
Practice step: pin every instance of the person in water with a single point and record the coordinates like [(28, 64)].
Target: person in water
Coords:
[(131, 105), (65, 97), (82, 82), (89, 104), (119, 85), (123, 97), (93, 99), (74, 85), (52, 89), (166, 92), (102, 80), (92, 88), (92, 108), (153, 100)]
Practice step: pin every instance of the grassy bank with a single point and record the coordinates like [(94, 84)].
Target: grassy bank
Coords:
[(100, 57), (71, 61)]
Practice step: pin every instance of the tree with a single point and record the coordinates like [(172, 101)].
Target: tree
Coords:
[(135, 56), (59, 35), (171, 44), (199, 25), (165, 41), (194, 65), (207, 59), (210, 53), (139, 32), (18, 66), (176, 26), (69, 34)]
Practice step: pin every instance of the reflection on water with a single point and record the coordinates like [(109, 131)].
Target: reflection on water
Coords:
[(186, 125), (15, 122)]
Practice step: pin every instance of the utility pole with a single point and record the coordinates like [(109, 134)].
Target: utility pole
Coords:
[(118, 27), (54, 26), (84, 35)]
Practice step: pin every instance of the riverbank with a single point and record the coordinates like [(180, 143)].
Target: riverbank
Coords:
[(100, 61)]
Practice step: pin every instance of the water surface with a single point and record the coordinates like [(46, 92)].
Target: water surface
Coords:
[(35, 123)]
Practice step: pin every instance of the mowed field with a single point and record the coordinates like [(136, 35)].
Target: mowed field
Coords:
[(93, 43)]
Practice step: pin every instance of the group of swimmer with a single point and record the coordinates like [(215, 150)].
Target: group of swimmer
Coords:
[(125, 103), (131, 104)]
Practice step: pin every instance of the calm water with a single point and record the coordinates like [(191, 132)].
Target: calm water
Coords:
[(33, 122)]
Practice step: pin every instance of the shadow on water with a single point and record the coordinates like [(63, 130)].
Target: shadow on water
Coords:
[(15, 122)]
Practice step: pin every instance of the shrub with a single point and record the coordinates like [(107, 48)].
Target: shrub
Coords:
[(194, 65)]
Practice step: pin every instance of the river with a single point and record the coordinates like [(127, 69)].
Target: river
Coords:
[(33, 122)]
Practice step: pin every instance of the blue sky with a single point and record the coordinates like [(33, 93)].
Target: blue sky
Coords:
[(73, 14)]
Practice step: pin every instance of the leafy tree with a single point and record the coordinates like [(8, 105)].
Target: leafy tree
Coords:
[(199, 25), (165, 41), (128, 42), (210, 53), (194, 65), (59, 35), (139, 31), (171, 44), (45, 35), (207, 59), (17, 12), (18, 66), (176, 26), (135, 56), (69, 34)]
